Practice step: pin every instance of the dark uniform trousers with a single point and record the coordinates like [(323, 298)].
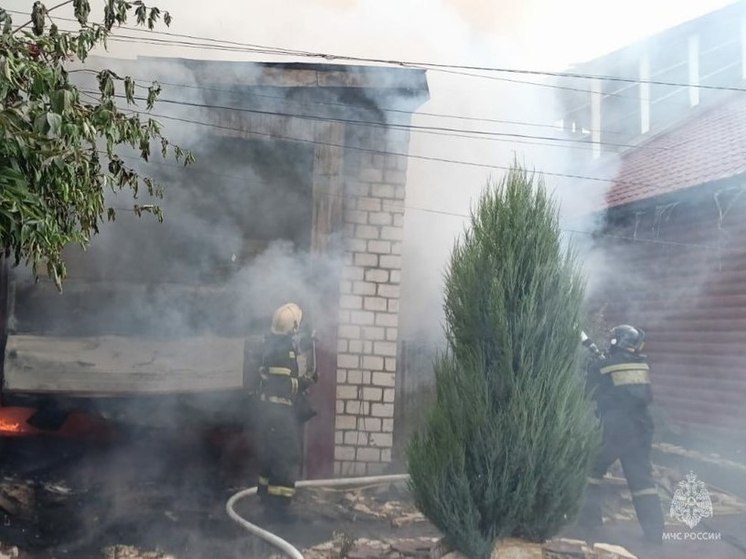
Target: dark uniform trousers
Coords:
[(627, 437), (279, 432), (279, 454)]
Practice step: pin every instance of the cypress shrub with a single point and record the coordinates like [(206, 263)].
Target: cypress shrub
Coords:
[(508, 444)]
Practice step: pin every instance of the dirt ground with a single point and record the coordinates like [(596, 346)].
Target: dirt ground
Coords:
[(163, 497), (163, 494)]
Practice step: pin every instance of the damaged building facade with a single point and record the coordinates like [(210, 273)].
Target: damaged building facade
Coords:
[(297, 195), (671, 249)]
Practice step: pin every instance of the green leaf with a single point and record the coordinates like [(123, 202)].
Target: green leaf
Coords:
[(82, 10), (129, 89), (5, 68), (57, 101), (52, 176), (41, 125), (155, 13), (38, 15), (109, 14), (55, 124), (7, 22), (153, 92), (141, 12)]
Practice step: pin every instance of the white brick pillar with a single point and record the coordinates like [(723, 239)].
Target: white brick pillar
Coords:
[(369, 306)]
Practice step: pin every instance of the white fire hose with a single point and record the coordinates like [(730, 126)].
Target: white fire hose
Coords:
[(277, 541)]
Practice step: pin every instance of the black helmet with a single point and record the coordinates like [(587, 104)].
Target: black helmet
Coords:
[(628, 338)]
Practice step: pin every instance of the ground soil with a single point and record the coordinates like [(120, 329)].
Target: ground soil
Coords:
[(166, 493)]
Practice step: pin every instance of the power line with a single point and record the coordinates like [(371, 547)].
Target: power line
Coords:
[(343, 105), (236, 46), (443, 131), (265, 49), (274, 50), (444, 68), (393, 153), (202, 46), (440, 67), (403, 207)]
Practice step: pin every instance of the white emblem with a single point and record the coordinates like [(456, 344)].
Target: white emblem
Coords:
[(691, 501)]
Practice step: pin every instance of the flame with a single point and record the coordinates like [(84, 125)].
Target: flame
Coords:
[(13, 424), (10, 427)]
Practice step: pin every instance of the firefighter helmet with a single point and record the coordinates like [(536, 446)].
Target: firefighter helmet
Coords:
[(628, 338), (286, 319)]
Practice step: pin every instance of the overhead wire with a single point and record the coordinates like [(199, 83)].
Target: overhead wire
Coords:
[(442, 131), (402, 206), (392, 153), (253, 48), (287, 52), (266, 49), (337, 104), (291, 52)]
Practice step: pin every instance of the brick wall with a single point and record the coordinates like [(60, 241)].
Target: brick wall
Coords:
[(369, 302)]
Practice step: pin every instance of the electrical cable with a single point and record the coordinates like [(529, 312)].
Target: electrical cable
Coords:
[(444, 131), (285, 51), (342, 105), (267, 49), (393, 153), (415, 208), (281, 51)]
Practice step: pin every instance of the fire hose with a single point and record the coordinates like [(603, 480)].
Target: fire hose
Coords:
[(294, 553), (277, 541)]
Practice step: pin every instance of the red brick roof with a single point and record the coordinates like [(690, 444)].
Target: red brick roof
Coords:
[(706, 147)]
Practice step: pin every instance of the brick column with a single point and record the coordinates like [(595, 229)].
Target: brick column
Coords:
[(368, 309)]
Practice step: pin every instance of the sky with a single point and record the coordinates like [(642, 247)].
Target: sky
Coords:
[(546, 35)]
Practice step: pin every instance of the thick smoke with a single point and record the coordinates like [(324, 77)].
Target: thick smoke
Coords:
[(236, 219)]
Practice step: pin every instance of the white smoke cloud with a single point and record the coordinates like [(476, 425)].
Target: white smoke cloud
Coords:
[(532, 34)]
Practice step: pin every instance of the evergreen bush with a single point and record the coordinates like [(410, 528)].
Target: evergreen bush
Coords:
[(510, 439)]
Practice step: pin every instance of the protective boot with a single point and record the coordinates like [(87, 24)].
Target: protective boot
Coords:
[(277, 510), (650, 516)]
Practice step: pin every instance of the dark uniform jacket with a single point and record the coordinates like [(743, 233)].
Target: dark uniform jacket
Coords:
[(279, 371), (620, 382)]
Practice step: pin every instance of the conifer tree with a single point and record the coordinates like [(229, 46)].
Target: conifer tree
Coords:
[(509, 441)]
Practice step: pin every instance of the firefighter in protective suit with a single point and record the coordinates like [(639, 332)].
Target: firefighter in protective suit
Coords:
[(620, 385), (281, 391)]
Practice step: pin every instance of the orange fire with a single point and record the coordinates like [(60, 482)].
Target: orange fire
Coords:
[(13, 424)]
